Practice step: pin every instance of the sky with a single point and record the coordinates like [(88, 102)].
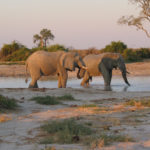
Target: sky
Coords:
[(78, 24)]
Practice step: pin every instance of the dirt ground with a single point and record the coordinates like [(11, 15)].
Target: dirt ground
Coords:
[(19, 130), (135, 69)]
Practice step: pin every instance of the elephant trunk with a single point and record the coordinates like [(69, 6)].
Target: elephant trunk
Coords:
[(82, 69), (78, 74), (122, 67), (125, 77)]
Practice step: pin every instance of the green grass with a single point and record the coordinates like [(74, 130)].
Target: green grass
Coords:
[(68, 131), (107, 139), (133, 102), (52, 100), (65, 131), (7, 103), (66, 97)]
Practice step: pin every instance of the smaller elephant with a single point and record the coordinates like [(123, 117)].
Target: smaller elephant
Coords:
[(42, 63), (102, 64)]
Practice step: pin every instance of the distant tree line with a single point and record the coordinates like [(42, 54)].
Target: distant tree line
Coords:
[(18, 52), (15, 51), (129, 54)]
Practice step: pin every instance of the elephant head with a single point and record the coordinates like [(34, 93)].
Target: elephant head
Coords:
[(114, 60), (72, 60)]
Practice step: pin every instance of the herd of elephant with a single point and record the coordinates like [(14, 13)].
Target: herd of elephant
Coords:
[(42, 63)]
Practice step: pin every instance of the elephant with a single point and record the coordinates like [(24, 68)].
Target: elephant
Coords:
[(102, 64), (42, 63)]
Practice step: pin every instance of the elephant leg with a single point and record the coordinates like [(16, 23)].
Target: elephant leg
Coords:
[(87, 83), (33, 84), (59, 81), (110, 76), (62, 79), (107, 74), (85, 79), (35, 76)]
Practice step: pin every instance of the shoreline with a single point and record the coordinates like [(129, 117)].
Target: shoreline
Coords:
[(17, 70)]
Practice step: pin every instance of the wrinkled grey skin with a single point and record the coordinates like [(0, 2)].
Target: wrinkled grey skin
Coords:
[(102, 64), (42, 63)]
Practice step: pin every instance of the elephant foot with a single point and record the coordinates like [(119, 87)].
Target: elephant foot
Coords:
[(107, 88), (85, 85), (33, 86), (82, 84)]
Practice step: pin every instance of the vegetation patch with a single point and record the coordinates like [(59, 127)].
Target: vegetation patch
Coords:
[(65, 131), (107, 139), (52, 100), (88, 105), (7, 103), (132, 102)]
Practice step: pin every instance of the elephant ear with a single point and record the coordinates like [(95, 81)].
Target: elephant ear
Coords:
[(67, 61)]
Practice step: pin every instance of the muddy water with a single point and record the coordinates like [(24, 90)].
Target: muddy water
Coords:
[(139, 83)]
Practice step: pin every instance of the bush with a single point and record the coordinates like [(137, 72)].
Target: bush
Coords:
[(8, 49), (56, 47), (7, 103), (131, 55), (65, 131), (19, 55), (52, 100), (115, 47)]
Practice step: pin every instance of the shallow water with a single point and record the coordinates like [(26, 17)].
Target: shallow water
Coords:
[(140, 83)]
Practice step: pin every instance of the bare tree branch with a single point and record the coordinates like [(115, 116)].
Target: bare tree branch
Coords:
[(139, 21)]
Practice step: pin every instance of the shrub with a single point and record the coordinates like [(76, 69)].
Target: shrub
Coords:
[(65, 131), (7, 103), (115, 47), (19, 55), (52, 100), (131, 55), (56, 47), (8, 49)]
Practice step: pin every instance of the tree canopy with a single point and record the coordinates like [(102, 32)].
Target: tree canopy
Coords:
[(43, 38), (115, 47), (143, 18)]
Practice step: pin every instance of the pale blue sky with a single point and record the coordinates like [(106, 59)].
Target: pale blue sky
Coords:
[(75, 23)]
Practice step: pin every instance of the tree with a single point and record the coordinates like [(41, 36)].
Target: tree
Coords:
[(142, 19), (43, 37), (115, 47), (8, 49)]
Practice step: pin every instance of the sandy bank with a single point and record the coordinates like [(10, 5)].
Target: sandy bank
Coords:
[(135, 69)]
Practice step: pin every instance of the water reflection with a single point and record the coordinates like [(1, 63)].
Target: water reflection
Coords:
[(141, 83)]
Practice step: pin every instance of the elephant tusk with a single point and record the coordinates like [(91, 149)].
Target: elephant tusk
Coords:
[(127, 72), (83, 67)]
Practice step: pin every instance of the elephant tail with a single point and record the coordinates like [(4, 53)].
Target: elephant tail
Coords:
[(26, 80)]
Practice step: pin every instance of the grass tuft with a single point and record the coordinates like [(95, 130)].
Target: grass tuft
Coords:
[(104, 139), (132, 102), (88, 105), (52, 100), (7, 103), (48, 100), (66, 131)]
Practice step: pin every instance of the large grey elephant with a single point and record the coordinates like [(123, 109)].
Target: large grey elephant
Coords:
[(42, 63), (102, 64)]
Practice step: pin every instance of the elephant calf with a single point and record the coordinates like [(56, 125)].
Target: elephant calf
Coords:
[(42, 63), (102, 64)]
